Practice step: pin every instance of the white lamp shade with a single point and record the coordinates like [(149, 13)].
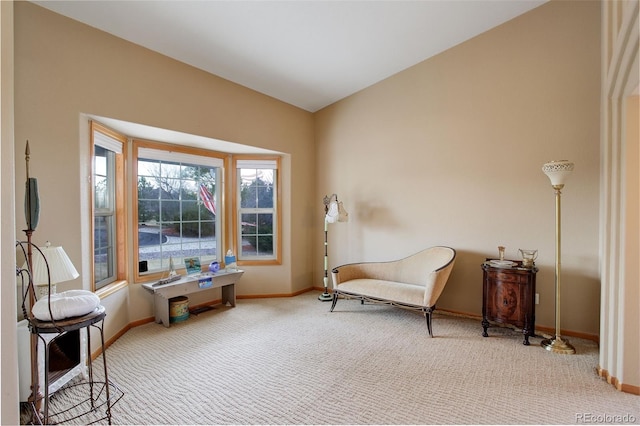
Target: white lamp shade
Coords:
[(558, 171), (332, 212), (60, 267), (336, 213), (343, 216)]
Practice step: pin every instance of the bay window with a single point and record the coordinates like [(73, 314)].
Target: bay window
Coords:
[(176, 211)]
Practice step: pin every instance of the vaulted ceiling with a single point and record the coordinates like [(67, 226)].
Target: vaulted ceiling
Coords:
[(308, 53)]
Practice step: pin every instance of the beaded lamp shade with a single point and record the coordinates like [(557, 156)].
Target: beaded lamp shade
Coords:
[(558, 171)]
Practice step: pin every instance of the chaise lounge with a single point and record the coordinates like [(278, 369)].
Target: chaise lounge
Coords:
[(414, 282)]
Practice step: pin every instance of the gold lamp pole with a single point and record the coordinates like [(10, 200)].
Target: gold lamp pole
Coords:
[(558, 172)]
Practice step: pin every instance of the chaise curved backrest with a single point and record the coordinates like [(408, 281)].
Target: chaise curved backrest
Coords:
[(415, 269)]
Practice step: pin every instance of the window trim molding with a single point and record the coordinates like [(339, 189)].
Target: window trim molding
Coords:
[(235, 226), (136, 144), (121, 273)]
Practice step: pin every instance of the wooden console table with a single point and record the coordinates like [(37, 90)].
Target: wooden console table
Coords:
[(508, 297), (192, 284)]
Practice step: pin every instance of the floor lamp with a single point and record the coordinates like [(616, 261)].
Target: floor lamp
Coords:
[(334, 212), (558, 172)]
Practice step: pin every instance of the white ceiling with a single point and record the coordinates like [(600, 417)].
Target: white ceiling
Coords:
[(307, 53)]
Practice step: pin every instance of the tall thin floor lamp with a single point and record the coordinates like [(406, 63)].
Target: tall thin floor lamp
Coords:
[(558, 172), (334, 212)]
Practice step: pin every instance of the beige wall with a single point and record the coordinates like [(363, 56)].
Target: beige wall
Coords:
[(66, 69), (449, 152), (8, 336)]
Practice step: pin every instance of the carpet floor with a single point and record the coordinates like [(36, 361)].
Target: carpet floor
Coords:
[(291, 361)]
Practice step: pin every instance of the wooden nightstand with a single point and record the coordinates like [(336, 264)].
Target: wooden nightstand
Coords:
[(508, 297)]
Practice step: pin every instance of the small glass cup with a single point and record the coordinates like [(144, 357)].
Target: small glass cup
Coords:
[(501, 252)]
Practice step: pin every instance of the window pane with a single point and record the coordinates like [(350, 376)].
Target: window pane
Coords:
[(102, 266), (169, 170), (148, 168), (249, 223), (101, 194), (249, 245), (247, 177), (100, 160), (265, 176), (169, 210), (189, 190), (148, 211), (149, 236), (103, 244), (191, 213), (265, 197), (265, 224), (173, 207), (189, 171), (169, 188), (205, 213), (171, 232), (265, 245), (103, 166), (248, 197), (207, 231)]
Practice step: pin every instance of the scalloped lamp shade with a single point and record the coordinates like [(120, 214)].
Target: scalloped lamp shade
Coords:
[(558, 171), (60, 267)]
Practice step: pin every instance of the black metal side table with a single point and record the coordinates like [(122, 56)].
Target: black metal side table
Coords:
[(95, 399)]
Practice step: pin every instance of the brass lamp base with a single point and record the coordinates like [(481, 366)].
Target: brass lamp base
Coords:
[(557, 345)]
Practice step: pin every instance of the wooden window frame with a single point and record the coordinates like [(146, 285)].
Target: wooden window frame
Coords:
[(136, 145), (120, 263), (235, 183)]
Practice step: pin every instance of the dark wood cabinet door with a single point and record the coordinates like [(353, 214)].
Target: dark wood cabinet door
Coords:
[(508, 298), (507, 303)]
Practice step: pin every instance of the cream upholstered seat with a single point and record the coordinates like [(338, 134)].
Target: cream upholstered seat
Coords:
[(70, 303), (414, 282)]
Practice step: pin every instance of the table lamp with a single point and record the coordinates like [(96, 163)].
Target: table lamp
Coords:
[(55, 265)]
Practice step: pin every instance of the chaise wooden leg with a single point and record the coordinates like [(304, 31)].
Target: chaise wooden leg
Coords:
[(427, 315), (335, 300)]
